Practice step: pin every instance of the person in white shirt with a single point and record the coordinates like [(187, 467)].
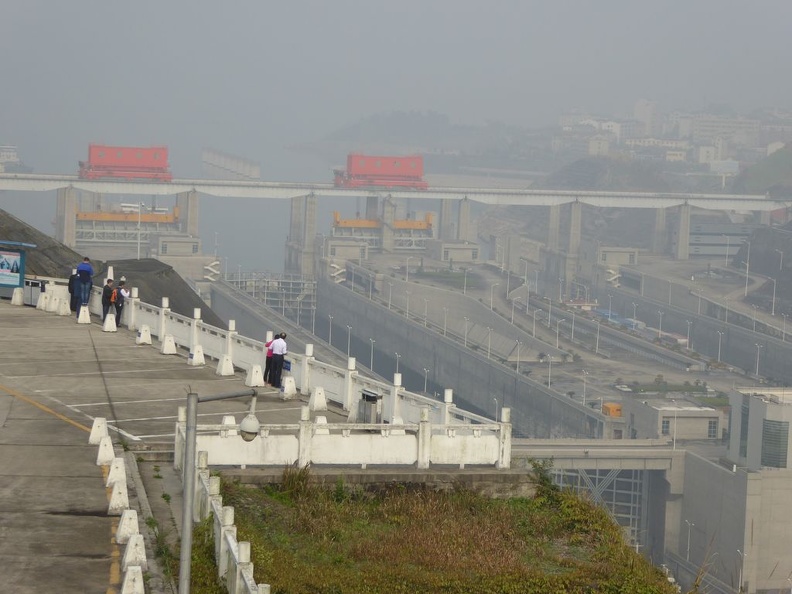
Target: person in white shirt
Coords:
[(279, 351), (121, 296)]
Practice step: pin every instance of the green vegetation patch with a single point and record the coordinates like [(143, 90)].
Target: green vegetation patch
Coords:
[(405, 539), (454, 279)]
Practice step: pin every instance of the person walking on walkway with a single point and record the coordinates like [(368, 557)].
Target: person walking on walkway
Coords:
[(85, 274), (279, 351), (74, 290), (107, 297)]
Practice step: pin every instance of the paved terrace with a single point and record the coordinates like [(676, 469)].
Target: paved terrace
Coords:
[(55, 377)]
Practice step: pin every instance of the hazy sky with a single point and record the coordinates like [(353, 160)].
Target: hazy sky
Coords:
[(250, 77)]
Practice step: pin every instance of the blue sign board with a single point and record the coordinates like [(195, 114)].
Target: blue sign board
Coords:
[(12, 263)]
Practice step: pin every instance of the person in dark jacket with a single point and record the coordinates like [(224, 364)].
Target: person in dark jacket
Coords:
[(74, 290), (122, 293), (107, 298)]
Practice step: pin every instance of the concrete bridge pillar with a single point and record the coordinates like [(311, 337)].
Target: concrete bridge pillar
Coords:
[(576, 215), (388, 217), (302, 233), (659, 237), (188, 212), (554, 228), (683, 233), (372, 207), (463, 225), (446, 231), (66, 216)]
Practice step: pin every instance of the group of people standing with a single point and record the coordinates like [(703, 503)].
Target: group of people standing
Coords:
[(80, 284), (273, 367)]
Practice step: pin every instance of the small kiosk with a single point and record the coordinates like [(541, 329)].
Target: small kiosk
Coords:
[(12, 266)]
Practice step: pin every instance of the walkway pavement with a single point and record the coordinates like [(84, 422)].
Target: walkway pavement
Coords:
[(55, 377)]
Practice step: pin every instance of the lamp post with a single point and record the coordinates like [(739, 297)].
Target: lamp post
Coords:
[(610, 300), (495, 400), (675, 423), (489, 341), (772, 309), (464, 284), (558, 329), (747, 268), (445, 319), (742, 562), (330, 331), (407, 269), (519, 344), (572, 332), (527, 288), (549, 368), (689, 525), (407, 312), (371, 359), (249, 428), (758, 348), (466, 328), (728, 245), (689, 323), (536, 311), (783, 328), (426, 307), (398, 356), (596, 346), (390, 294), (753, 315), (660, 326), (720, 337), (585, 376), (549, 311), (426, 378), (349, 338), (512, 316), (635, 313), (781, 259), (560, 290), (492, 293), (140, 207)]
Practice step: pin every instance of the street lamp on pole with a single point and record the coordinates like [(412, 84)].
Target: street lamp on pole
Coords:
[(398, 356), (783, 328), (596, 345), (585, 377), (772, 309), (445, 319), (330, 331), (466, 328), (728, 245), (349, 338), (753, 316), (747, 268), (464, 283), (781, 259), (407, 312), (610, 300), (675, 423), (635, 313), (426, 307), (549, 368), (249, 429), (758, 348), (536, 311), (489, 341), (495, 400), (407, 269), (558, 329), (426, 378), (689, 323), (519, 344), (720, 337), (371, 359), (660, 326), (560, 290), (742, 562), (689, 525), (390, 294), (492, 293), (512, 316)]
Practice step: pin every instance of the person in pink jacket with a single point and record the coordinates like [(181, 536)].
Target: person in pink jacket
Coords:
[(268, 361)]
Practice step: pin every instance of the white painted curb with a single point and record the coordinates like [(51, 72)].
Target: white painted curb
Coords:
[(109, 323), (168, 345), (18, 297), (85, 315), (127, 526), (106, 453), (254, 377), (196, 357), (133, 581), (135, 553), (117, 472), (119, 500), (143, 335), (98, 431), (225, 366), (318, 400)]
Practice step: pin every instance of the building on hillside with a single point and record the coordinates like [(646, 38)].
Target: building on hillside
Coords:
[(677, 419)]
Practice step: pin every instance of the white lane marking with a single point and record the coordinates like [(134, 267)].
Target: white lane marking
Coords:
[(160, 435), (103, 372), (79, 412)]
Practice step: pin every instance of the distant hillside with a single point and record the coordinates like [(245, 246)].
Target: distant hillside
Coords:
[(773, 175), (153, 279), (601, 173)]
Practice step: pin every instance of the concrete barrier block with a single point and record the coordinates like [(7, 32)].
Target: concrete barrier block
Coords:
[(127, 526), (133, 581), (109, 324), (143, 335), (43, 301), (289, 388), (98, 431), (117, 472), (106, 453), (397, 420), (321, 426), (85, 315), (318, 400), (230, 422), (63, 308), (255, 378), (168, 345), (196, 357), (225, 366), (18, 296), (119, 499), (135, 553), (52, 304)]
